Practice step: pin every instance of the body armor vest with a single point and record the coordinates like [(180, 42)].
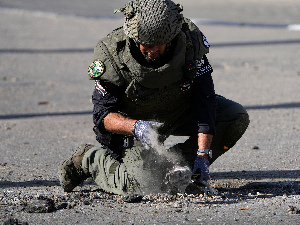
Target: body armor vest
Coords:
[(159, 94)]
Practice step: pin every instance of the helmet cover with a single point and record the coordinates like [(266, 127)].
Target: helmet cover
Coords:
[(152, 22)]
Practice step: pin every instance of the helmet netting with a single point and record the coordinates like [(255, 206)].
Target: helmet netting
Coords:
[(152, 22)]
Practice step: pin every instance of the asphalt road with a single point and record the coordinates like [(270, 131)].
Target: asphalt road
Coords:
[(45, 110)]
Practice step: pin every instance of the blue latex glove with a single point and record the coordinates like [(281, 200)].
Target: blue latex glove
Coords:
[(201, 169), (146, 132)]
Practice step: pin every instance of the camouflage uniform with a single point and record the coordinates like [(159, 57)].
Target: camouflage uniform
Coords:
[(155, 94)]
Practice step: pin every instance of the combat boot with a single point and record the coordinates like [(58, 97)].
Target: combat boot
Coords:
[(71, 173)]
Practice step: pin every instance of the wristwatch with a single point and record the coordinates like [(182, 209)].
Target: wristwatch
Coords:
[(207, 151)]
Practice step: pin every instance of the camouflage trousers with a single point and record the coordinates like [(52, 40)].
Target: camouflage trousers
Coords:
[(143, 171), (140, 171)]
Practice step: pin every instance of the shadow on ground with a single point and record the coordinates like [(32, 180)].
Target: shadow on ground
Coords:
[(24, 116), (32, 183), (256, 174), (219, 176), (238, 186)]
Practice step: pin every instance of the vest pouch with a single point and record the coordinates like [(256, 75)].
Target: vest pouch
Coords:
[(162, 105)]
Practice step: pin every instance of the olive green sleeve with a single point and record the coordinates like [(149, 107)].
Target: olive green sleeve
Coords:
[(199, 40), (106, 60)]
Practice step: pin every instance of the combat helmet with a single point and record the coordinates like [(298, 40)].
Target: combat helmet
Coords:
[(152, 22)]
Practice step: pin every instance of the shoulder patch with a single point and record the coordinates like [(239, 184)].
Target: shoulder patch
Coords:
[(96, 69), (205, 41)]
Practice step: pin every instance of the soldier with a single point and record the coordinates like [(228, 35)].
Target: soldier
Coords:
[(152, 80)]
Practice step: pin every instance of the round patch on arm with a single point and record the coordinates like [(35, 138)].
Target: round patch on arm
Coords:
[(96, 69)]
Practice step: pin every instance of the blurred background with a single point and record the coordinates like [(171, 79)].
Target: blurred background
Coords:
[(265, 11)]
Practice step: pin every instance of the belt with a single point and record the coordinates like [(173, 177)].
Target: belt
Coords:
[(128, 142)]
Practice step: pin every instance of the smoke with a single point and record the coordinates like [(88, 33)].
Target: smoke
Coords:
[(174, 157), (178, 176)]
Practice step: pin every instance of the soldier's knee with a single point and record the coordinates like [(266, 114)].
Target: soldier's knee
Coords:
[(232, 122), (239, 116), (229, 110)]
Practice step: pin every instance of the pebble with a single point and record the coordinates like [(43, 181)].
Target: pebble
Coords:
[(13, 221), (41, 205), (293, 210), (132, 198)]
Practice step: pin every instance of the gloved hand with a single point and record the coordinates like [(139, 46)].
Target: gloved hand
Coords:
[(201, 169), (146, 132)]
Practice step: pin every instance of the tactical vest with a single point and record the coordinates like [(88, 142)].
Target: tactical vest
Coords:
[(159, 94)]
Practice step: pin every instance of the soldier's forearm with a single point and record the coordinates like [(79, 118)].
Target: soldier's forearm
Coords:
[(118, 124), (204, 142)]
